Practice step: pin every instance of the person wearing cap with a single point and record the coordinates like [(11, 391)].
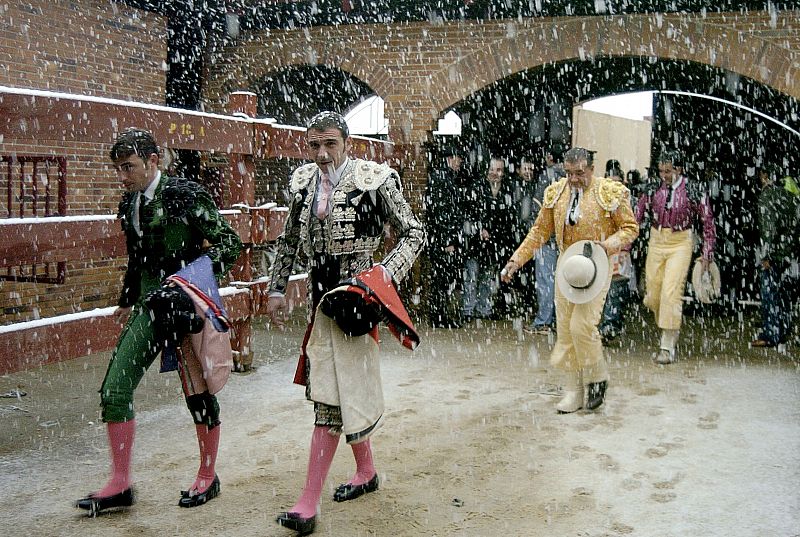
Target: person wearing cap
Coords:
[(590, 217), (777, 217), (444, 222), (670, 211), (337, 212)]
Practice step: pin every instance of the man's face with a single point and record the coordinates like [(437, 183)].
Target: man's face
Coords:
[(327, 148), (134, 173), (666, 171), (526, 171), (497, 168), (454, 162), (579, 173)]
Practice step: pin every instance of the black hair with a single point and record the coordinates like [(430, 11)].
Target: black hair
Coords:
[(613, 167), (134, 141), (329, 120), (576, 154), (670, 157)]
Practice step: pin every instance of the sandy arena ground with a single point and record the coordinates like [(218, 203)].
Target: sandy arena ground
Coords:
[(471, 444)]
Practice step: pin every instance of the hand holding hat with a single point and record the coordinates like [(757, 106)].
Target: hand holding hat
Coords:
[(582, 271), (706, 281)]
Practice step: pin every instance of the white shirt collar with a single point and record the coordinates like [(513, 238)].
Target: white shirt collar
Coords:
[(337, 173), (150, 191)]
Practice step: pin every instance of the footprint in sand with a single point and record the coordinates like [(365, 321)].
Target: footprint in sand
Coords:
[(264, 429), (663, 448), (689, 398), (657, 452), (405, 412), (631, 484), (607, 462), (648, 391), (585, 426), (410, 383), (622, 529), (464, 394), (663, 497), (709, 421)]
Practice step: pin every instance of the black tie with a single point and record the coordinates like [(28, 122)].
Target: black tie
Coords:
[(573, 219), (143, 207)]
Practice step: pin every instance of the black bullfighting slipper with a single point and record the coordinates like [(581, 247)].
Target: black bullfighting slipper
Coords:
[(95, 504), (293, 521), (596, 393), (346, 491), (210, 493)]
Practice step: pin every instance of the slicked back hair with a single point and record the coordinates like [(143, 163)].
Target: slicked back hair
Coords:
[(670, 157), (577, 154), (329, 120), (134, 141)]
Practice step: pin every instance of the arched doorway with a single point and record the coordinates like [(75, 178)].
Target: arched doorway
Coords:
[(722, 141), (294, 94)]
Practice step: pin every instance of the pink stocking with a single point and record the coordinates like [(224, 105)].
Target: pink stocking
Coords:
[(208, 441), (365, 468), (120, 444), (323, 447)]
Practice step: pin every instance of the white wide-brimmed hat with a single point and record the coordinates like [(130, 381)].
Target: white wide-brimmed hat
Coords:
[(582, 271), (706, 284)]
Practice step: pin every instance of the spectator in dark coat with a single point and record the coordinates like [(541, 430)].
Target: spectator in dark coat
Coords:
[(444, 212), (491, 242), (777, 217)]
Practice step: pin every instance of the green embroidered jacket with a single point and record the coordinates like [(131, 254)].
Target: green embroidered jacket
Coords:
[(174, 225)]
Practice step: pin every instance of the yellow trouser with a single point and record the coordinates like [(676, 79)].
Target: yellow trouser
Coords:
[(669, 255), (578, 346)]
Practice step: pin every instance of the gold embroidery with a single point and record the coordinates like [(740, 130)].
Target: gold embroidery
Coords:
[(610, 193), (552, 193)]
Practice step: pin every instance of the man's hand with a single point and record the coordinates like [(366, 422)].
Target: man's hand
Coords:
[(121, 315), (705, 263), (485, 234), (276, 309), (508, 271), (450, 249), (765, 264)]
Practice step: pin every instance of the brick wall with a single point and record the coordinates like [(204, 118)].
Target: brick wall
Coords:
[(85, 47)]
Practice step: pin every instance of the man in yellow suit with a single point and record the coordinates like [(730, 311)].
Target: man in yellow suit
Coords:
[(580, 207)]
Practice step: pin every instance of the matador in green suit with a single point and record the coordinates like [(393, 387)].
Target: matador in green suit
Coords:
[(168, 223)]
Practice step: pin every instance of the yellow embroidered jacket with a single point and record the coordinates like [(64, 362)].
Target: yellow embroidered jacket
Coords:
[(605, 212)]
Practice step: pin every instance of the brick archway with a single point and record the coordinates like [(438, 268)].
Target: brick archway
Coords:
[(669, 37), (420, 69), (292, 49)]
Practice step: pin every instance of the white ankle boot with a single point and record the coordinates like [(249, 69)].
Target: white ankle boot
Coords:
[(573, 394)]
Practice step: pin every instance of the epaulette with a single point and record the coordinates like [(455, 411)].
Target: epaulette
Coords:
[(610, 193), (553, 192), (302, 176), (369, 175)]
